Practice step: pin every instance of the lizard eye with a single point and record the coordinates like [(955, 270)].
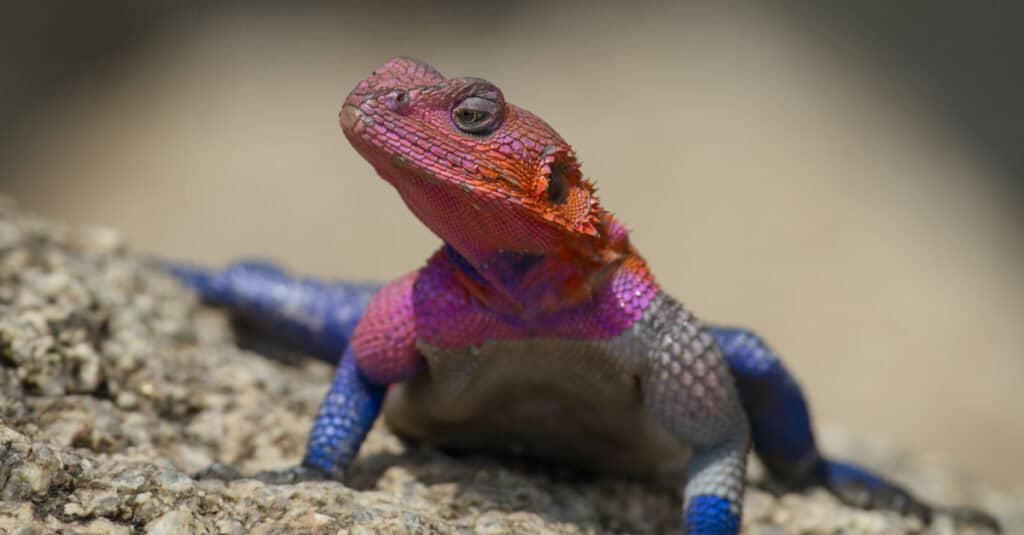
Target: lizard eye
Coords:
[(476, 115)]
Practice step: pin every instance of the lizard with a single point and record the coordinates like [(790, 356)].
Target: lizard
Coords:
[(536, 329)]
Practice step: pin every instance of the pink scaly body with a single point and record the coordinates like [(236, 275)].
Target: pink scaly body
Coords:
[(448, 315)]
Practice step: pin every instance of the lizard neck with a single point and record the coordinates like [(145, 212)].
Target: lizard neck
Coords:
[(529, 286), (511, 259)]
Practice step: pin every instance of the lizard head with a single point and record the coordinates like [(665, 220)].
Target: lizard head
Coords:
[(486, 176)]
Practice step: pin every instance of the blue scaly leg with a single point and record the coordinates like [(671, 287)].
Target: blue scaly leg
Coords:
[(345, 417), (780, 426), (346, 414), (312, 316)]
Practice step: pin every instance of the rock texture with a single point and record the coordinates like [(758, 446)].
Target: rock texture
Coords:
[(115, 385)]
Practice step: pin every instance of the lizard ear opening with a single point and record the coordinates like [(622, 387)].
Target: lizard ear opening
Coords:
[(559, 174), (562, 184), (558, 183)]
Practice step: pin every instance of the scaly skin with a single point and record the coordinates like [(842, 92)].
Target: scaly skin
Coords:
[(537, 328)]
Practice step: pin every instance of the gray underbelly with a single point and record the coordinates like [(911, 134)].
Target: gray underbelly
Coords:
[(565, 401)]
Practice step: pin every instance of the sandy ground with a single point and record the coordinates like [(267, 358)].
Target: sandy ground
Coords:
[(769, 181)]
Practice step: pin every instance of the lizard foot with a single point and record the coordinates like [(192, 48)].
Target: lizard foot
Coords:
[(964, 517), (283, 476), (860, 488), (852, 485)]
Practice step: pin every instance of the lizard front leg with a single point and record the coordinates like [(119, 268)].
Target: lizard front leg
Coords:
[(689, 389), (382, 352), (312, 316)]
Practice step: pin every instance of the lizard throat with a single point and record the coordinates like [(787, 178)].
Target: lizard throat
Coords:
[(528, 285)]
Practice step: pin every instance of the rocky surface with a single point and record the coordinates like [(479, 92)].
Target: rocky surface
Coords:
[(115, 385)]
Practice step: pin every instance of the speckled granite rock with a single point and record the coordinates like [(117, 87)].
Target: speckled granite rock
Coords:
[(115, 384)]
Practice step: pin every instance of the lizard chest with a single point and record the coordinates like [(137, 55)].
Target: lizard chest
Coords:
[(563, 400)]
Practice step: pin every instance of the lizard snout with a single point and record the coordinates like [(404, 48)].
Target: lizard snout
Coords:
[(350, 116)]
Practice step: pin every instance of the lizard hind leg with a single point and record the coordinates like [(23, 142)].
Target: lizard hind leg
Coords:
[(783, 438)]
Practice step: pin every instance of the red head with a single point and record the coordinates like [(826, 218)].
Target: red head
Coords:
[(486, 176)]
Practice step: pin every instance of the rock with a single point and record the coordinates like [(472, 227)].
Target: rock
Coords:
[(115, 384), (96, 240), (173, 523)]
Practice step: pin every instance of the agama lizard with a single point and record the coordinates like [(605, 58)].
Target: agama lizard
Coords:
[(536, 328)]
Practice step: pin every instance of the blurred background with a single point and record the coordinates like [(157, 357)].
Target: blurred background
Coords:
[(838, 176)]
